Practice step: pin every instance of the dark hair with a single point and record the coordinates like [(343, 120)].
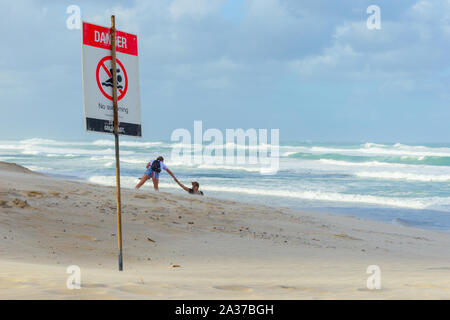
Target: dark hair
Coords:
[(160, 158), (195, 183)]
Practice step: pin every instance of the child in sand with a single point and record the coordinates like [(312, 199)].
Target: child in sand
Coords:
[(193, 190)]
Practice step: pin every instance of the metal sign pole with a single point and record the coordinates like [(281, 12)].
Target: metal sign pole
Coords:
[(116, 137)]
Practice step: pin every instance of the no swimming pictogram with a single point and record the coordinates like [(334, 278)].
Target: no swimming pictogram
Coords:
[(103, 75)]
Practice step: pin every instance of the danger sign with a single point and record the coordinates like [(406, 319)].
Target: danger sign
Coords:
[(98, 81)]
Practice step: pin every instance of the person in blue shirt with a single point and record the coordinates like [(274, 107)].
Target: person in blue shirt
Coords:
[(153, 170)]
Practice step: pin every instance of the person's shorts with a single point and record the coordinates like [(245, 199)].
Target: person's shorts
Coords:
[(151, 174)]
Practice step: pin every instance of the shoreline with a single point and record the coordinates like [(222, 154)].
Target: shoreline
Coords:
[(393, 183), (179, 246), (323, 210)]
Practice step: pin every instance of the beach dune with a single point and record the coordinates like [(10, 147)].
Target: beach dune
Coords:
[(178, 246)]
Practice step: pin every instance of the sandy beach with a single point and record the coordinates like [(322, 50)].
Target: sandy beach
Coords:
[(178, 246)]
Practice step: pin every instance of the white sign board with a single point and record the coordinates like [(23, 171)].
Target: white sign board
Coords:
[(97, 81)]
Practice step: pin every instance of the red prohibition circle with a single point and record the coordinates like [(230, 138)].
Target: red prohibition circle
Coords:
[(100, 64)]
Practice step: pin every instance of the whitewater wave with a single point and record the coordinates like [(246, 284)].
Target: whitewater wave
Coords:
[(55, 149), (70, 152), (365, 164), (234, 168), (137, 144), (49, 142), (126, 181), (393, 159), (371, 149), (38, 168), (410, 203), (329, 196), (441, 170), (441, 152), (386, 175), (40, 141), (108, 161), (369, 145), (10, 147)]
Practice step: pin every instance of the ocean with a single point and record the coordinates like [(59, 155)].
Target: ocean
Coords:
[(397, 183)]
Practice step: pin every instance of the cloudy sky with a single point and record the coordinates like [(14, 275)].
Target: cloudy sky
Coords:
[(310, 68)]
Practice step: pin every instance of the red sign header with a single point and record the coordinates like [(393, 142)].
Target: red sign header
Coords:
[(98, 36)]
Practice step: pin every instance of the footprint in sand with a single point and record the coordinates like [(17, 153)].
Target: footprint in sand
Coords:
[(345, 236), (34, 194), (18, 283), (371, 290), (4, 204), (20, 203), (439, 268), (86, 237), (292, 288), (426, 286), (138, 289), (93, 285), (234, 288), (286, 287), (55, 194)]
